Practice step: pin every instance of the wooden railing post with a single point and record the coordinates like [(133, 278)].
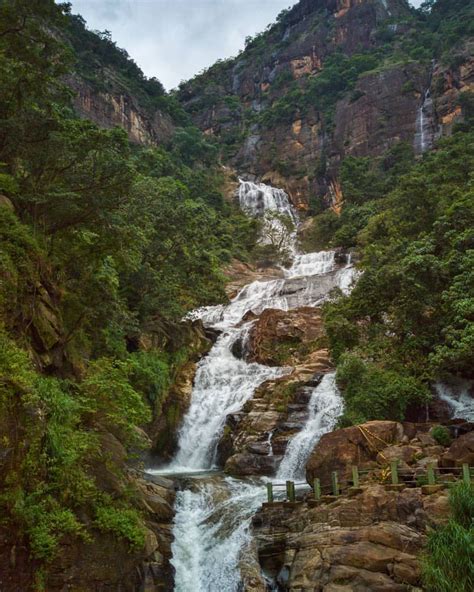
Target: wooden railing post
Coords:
[(394, 471), (466, 474), (431, 474), (335, 483), (355, 476), (317, 489), (269, 493), (290, 491)]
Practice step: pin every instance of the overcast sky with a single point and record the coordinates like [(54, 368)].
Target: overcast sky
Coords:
[(175, 39)]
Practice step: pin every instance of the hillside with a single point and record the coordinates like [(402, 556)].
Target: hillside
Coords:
[(335, 78), (105, 244)]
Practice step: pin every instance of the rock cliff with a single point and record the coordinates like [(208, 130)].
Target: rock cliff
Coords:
[(116, 106), (368, 542), (331, 78), (371, 537), (255, 438)]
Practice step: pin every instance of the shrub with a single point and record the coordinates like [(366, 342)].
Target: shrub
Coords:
[(124, 523), (372, 392), (461, 500), (441, 435), (448, 565)]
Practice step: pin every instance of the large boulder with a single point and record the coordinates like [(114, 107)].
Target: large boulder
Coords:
[(287, 337), (356, 445), (240, 274), (461, 451), (247, 463), (368, 542)]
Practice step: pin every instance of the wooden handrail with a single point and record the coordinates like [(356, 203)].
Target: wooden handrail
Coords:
[(433, 477)]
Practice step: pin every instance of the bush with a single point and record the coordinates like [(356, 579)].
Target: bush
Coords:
[(441, 435), (448, 565), (461, 500), (123, 523), (371, 392)]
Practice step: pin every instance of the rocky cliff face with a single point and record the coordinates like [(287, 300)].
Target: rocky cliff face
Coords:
[(118, 107), (372, 536), (278, 120), (368, 542)]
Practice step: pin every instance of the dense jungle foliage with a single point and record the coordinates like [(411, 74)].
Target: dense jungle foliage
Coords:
[(448, 564), (409, 319), (103, 246)]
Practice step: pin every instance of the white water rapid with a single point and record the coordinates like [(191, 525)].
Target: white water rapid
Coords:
[(213, 511), (222, 385), (459, 395), (325, 406)]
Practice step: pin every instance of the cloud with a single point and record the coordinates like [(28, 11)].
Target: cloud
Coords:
[(175, 39)]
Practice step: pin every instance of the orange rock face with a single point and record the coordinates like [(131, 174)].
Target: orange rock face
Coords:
[(356, 445), (281, 336), (368, 542)]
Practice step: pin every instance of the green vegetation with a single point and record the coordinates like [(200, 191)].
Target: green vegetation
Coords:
[(125, 523), (409, 318), (104, 247), (374, 392), (448, 565), (441, 435), (321, 92), (364, 181)]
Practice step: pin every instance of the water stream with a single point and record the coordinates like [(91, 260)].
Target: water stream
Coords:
[(325, 406), (426, 129), (459, 395), (213, 511)]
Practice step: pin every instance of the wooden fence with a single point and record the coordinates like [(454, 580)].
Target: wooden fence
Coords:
[(394, 479)]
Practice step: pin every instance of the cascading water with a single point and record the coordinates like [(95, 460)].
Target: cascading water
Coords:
[(259, 199), (211, 529), (459, 395), (222, 385), (426, 129), (213, 512), (325, 406)]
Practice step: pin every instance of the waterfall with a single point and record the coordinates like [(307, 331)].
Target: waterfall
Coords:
[(273, 206), (426, 129), (213, 512), (222, 385), (210, 531), (457, 394), (325, 406), (259, 199), (308, 282), (423, 135)]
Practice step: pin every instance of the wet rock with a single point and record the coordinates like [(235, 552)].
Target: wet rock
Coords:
[(251, 464), (369, 542), (163, 429), (263, 448), (286, 337), (356, 445), (240, 274), (461, 451)]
